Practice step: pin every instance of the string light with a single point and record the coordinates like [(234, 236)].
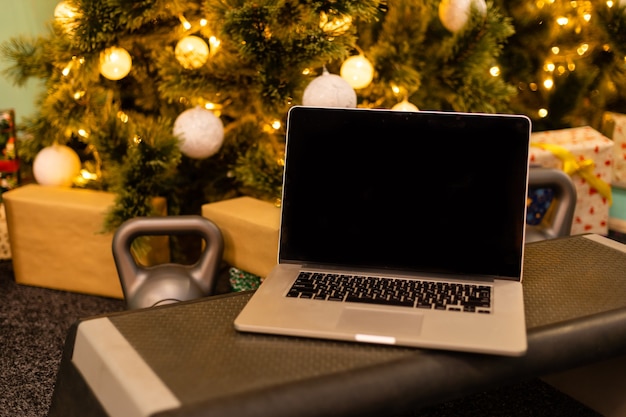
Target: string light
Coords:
[(184, 22), (548, 83), (75, 61), (67, 69), (122, 116), (214, 44)]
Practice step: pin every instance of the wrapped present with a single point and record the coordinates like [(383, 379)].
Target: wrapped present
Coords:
[(250, 230), (5, 244), (614, 127), (9, 162), (242, 280), (617, 212), (587, 156), (57, 239)]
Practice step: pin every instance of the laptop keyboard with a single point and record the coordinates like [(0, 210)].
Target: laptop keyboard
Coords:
[(393, 291)]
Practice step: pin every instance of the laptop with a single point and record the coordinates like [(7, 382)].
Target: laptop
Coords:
[(400, 228)]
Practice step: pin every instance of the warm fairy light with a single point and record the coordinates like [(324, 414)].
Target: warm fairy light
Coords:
[(83, 133), (549, 66), (215, 108), (306, 71), (88, 176), (555, 50), (79, 94), (184, 22), (70, 65), (561, 70), (610, 4), (548, 83), (494, 71), (396, 89), (562, 21), (67, 69), (203, 22), (542, 113), (587, 17), (137, 139), (276, 124), (214, 43), (122, 116), (358, 71), (582, 49)]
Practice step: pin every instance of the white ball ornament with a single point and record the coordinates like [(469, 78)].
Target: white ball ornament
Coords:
[(454, 14), (405, 105), (200, 132), (65, 14), (358, 71), (115, 63), (191, 52), (329, 90), (56, 165)]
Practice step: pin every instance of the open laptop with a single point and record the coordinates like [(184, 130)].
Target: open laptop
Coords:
[(411, 197)]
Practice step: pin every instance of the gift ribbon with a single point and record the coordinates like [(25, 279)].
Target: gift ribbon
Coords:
[(583, 168)]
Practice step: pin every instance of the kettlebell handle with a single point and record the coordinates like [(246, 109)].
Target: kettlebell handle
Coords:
[(204, 272)]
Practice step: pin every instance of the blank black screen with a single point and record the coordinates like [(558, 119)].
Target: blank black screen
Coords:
[(427, 191)]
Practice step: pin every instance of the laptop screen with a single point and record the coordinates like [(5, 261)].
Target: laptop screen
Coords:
[(417, 191)]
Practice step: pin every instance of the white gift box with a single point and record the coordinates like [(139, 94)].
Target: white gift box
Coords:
[(587, 156)]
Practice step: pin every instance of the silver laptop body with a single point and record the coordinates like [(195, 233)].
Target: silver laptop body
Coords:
[(416, 197)]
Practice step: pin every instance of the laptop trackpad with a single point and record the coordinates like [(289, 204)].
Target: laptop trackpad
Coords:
[(379, 322)]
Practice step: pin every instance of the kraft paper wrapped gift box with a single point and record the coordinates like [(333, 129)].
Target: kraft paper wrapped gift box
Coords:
[(57, 240), (250, 230), (587, 155)]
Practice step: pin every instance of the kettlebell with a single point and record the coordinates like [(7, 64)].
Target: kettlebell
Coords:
[(167, 283)]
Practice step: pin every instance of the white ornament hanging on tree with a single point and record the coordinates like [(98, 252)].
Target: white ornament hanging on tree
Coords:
[(192, 52), (454, 14), (115, 63), (358, 71), (56, 165), (405, 105), (329, 90), (200, 132)]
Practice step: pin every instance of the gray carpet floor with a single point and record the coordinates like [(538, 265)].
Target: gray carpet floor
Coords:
[(34, 323)]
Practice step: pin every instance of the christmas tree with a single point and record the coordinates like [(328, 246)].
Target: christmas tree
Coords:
[(188, 99), (567, 60)]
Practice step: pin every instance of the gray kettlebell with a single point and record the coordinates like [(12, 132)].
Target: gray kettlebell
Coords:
[(167, 283)]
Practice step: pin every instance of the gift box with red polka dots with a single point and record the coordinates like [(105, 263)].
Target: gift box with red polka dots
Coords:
[(587, 156)]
